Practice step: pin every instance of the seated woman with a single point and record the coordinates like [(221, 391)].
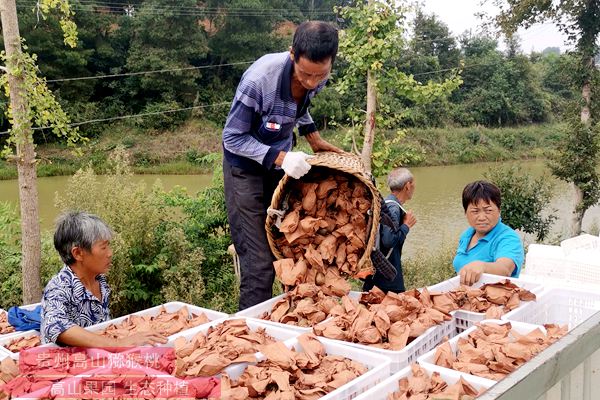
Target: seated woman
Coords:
[(488, 246), (78, 295)]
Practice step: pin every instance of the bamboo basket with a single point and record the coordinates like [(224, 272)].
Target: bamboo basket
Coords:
[(337, 162)]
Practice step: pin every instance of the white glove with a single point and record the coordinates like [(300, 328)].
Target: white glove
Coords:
[(295, 165)]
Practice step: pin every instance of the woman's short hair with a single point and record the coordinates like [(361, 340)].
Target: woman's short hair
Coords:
[(315, 40), (78, 229), (398, 178), (476, 191)]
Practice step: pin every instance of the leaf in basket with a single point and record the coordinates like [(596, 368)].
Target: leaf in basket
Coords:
[(526, 295), (340, 379), (497, 295), (325, 187), (278, 354), (290, 222), (555, 331), (398, 335), (334, 284), (444, 356), (494, 312), (443, 302), (309, 196), (462, 388), (313, 257), (327, 248)]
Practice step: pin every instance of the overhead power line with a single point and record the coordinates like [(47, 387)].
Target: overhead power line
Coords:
[(158, 71), (121, 117)]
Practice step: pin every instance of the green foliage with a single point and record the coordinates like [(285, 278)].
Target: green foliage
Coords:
[(576, 160), (153, 119), (151, 256), (10, 257), (524, 200), (429, 267), (43, 109), (205, 226), (373, 38)]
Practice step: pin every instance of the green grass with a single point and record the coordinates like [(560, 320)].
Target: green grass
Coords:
[(463, 145)]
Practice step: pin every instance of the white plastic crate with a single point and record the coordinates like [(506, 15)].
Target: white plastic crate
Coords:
[(265, 307), (171, 307), (379, 367), (278, 333), (581, 242), (521, 327), (559, 306), (465, 319), (545, 261), (5, 341), (421, 345), (392, 384)]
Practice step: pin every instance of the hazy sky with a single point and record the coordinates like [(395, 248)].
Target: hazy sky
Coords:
[(459, 15)]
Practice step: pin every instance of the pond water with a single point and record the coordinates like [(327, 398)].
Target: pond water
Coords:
[(436, 203)]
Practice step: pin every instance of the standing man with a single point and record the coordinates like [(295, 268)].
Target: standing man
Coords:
[(402, 185), (272, 98)]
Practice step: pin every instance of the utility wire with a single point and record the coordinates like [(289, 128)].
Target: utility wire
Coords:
[(121, 117), (147, 72)]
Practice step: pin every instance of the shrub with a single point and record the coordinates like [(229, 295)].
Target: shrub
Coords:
[(428, 268), (152, 259), (524, 199)]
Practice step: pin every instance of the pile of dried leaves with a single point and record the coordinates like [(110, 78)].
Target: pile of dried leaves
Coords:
[(37, 369), (207, 354), (306, 305), (324, 232), (421, 386), (5, 327), (287, 374), (389, 321), (493, 299), (493, 351), (23, 343), (165, 323)]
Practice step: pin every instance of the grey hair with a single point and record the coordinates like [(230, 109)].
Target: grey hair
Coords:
[(78, 229), (398, 178)]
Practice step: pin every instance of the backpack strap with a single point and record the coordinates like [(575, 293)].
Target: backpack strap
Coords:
[(390, 201)]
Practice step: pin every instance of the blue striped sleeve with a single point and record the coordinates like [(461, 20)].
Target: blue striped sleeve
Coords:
[(236, 134)]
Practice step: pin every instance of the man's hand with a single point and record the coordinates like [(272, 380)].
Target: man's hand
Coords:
[(294, 163), (471, 273), (409, 219), (318, 144)]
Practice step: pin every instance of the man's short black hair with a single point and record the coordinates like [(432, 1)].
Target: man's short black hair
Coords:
[(481, 190), (315, 40)]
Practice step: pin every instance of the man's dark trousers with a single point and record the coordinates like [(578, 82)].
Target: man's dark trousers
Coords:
[(247, 196)]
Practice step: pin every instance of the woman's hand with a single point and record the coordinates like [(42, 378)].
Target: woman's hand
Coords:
[(143, 338), (471, 273)]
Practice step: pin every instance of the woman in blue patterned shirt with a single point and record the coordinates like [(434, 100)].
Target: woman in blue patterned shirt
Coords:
[(78, 296)]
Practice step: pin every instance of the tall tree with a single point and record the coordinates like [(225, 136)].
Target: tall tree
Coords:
[(580, 154), (30, 103), (371, 45), (164, 37)]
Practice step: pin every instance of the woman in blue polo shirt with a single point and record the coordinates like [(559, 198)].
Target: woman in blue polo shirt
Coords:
[(488, 246)]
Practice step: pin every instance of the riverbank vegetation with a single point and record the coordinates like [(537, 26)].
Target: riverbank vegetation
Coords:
[(191, 148)]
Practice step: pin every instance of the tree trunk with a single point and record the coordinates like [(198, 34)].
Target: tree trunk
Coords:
[(25, 158), (367, 150), (586, 94)]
